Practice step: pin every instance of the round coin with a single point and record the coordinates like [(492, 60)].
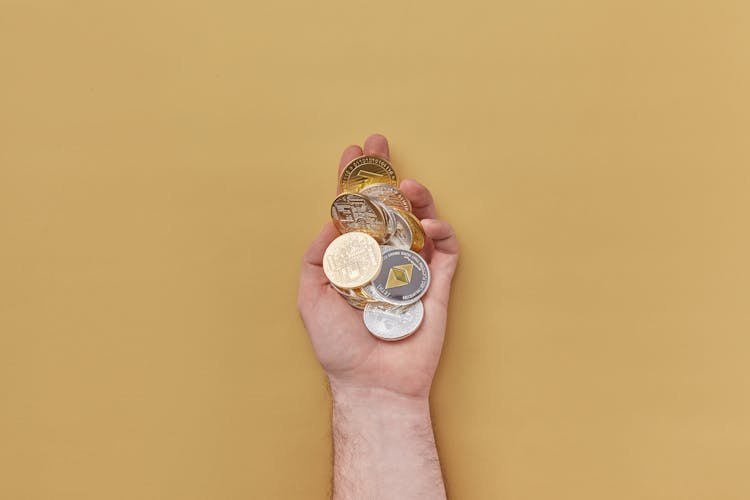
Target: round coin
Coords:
[(389, 322), (356, 212), (403, 279), (366, 170), (352, 260), (389, 195)]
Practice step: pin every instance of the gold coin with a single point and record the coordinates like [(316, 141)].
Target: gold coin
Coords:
[(356, 212), (366, 170), (361, 294), (389, 195), (352, 260), (417, 231)]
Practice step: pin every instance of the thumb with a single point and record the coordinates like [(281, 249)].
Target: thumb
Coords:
[(312, 275)]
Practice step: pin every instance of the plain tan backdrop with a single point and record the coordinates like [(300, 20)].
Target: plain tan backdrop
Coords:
[(164, 164)]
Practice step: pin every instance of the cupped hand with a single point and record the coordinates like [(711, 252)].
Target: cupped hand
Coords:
[(350, 355)]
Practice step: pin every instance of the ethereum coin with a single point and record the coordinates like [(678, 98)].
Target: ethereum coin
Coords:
[(389, 322), (417, 231), (366, 170), (403, 279), (352, 260), (355, 212), (389, 194)]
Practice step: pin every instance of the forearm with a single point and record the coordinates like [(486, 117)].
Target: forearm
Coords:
[(384, 446)]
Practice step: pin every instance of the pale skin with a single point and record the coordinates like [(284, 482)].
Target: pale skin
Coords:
[(384, 446)]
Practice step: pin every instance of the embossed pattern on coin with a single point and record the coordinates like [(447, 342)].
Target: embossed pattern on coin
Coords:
[(356, 212), (389, 195), (389, 322), (352, 260), (366, 170), (403, 279)]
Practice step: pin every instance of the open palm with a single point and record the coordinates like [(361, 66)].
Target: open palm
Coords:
[(349, 354)]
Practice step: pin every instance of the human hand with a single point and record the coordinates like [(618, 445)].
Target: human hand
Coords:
[(354, 359)]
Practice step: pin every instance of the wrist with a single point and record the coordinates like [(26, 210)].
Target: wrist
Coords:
[(374, 397), (379, 407)]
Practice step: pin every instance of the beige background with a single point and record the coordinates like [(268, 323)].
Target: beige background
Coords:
[(164, 164)]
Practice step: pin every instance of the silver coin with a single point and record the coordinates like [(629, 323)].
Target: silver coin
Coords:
[(402, 237), (389, 214), (389, 194), (403, 279), (356, 212), (389, 322)]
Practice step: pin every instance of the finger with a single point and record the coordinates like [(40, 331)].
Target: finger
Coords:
[(377, 145), (312, 262), (442, 236), (427, 250), (444, 259), (421, 200), (348, 155)]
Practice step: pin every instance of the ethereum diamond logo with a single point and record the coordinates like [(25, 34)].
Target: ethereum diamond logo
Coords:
[(399, 276)]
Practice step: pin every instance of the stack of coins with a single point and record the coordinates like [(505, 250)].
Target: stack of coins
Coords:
[(374, 264)]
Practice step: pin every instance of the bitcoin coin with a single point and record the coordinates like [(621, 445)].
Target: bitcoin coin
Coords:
[(389, 195), (403, 279), (352, 260), (356, 212), (366, 170), (417, 231), (389, 322)]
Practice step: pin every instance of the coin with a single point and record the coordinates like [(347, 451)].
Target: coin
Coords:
[(342, 291), (372, 292), (403, 279), (389, 195), (352, 260), (391, 222), (417, 231), (366, 170), (356, 212), (393, 322), (402, 237), (357, 302)]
